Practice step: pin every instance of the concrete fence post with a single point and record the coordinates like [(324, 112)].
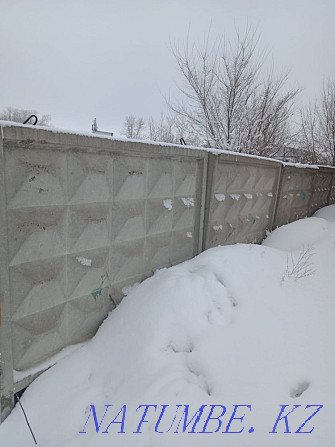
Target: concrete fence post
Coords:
[(332, 190), (277, 197), (6, 361), (212, 160)]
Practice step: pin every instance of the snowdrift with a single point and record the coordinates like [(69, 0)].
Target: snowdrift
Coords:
[(243, 332)]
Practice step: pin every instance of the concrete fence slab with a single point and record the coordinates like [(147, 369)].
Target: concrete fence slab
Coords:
[(241, 198), (83, 217), (295, 194), (302, 191)]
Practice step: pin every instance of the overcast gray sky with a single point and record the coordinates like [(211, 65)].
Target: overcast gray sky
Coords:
[(80, 59)]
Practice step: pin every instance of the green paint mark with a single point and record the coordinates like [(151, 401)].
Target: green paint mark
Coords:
[(98, 291)]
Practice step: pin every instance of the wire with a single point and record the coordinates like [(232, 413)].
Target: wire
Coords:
[(31, 431)]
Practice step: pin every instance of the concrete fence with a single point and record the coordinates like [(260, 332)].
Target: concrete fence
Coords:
[(83, 217)]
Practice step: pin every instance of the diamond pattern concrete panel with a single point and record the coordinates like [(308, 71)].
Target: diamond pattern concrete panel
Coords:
[(37, 286), (83, 218), (296, 194), (332, 190), (87, 217), (241, 199), (36, 233), (39, 180)]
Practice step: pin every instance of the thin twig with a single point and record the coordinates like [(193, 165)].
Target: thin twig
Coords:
[(300, 268)]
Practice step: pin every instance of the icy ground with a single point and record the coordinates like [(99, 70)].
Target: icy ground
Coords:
[(237, 325)]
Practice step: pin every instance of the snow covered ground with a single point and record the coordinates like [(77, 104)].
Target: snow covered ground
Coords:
[(237, 337)]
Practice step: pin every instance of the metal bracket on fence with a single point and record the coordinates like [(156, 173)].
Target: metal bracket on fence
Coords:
[(182, 141), (29, 118)]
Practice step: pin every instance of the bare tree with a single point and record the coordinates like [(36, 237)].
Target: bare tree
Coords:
[(327, 121), (183, 130), (266, 129), (171, 129), (162, 129), (226, 100), (167, 128), (308, 141), (20, 115), (133, 127), (318, 127)]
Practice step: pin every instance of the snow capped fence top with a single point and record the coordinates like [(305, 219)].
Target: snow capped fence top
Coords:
[(84, 216)]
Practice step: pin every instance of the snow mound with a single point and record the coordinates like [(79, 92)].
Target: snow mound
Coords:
[(328, 213), (304, 232), (299, 234), (236, 325)]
